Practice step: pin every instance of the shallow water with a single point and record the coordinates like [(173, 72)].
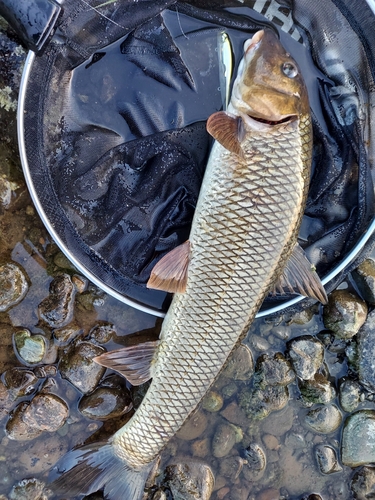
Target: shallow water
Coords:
[(291, 472)]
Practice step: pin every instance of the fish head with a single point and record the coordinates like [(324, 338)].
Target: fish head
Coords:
[(269, 84)]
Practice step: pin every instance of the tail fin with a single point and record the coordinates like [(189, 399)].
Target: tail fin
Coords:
[(92, 467)]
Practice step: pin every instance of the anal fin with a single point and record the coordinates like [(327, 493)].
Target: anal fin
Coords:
[(170, 273), (134, 362), (299, 276)]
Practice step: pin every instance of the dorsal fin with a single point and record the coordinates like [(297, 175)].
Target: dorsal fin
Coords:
[(299, 276), (170, 273), (133, 362), (228, 130)]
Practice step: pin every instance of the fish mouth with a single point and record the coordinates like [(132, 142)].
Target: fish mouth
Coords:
[(272, 123)]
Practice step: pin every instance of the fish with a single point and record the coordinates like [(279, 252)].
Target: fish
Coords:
[(242, 245)]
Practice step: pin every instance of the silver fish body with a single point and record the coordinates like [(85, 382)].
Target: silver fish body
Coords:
[(245, 227)]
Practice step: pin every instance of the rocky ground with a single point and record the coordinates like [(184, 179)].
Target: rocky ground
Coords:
[(291, 417)]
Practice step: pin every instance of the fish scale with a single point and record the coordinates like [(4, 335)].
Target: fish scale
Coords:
[(239, 247)]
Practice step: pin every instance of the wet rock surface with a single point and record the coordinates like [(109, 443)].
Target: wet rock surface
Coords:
[(324, 419), (358, 439), (31, 350), (364, 277), (344, 314), (13, 286), (363, 483), (365, 352), (46, 412), (106, 403), (190, 481), (306, 354), (78, 367), (57, 309), (326, 457), (316, 390)]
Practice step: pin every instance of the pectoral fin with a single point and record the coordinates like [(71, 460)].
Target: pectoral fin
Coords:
[(228, 130), (170, 273), (133, 362), (299, 276)]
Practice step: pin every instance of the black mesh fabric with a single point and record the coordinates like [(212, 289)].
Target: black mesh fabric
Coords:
[(115, 126)]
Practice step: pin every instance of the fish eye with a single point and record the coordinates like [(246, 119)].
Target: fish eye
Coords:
[(289, 69)]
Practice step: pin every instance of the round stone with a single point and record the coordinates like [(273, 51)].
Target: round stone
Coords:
[(13, 286), (224, 439), (212, 402), (46, 412), (326, 458), (364, 277), (193, 427), (57, 309), (344, 314), (78, 367), (316, 390), (105, 403), (240, 365), (30, 349), (324, 419), (306, 354), (275, 370), (358, 439), (363, 484), (256, 462), (190, 480)]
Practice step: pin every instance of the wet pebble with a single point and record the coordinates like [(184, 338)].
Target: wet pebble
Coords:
[(78, 367), (201, 447), (57, 309), (64, 335), (316, 390), (28, 489), (5, 192), (19, 382), (279, 423), (273, 370), (365, 352), (259, 403), (103, 333), (231, 467), (30, 349), (363, 484), (258, 343), (358, 439), (324, 419), (105, 403), (349, 395), (326, 458), (212, 402), (234, 414), (17, 429), (224, 438), (364, 278), (190, 481), (240, 365), (46, 412), (80, 282), (193, 427), (306, 354), (344, 314), (256, 462), (13, 286), (271, 442)]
